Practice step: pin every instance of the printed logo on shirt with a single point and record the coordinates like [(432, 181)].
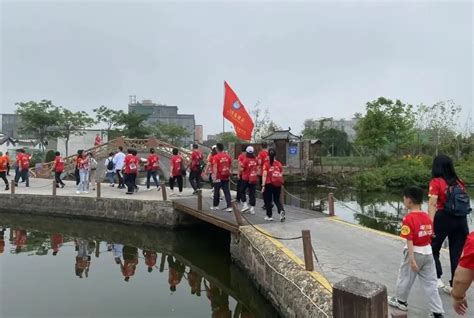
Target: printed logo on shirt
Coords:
[(425, 230), (405, 230)]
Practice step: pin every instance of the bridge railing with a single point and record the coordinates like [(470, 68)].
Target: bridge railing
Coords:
[(102, 151)]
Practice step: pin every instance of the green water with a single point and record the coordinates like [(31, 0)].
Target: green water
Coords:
[(54, 267), (380, 211)]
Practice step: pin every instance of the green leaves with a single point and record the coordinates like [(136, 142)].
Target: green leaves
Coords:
[(110, 117), (134, 125), (170, 132)]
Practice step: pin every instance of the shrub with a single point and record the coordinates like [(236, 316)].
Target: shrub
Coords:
[(368, 181), (49, 156)]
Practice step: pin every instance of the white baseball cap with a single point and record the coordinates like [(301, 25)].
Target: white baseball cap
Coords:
[(249, 149)]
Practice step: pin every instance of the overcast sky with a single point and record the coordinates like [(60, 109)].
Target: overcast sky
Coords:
[(299, 59)]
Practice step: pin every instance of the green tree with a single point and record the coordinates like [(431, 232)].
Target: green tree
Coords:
[(110, 117), (263, 125), (227, 137), (39, 119), (171, 133), (334, 142), (134, 125), (436, 124), (386, 126), (72, 124)]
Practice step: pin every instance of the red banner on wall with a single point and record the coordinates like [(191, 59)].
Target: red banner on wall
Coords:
[(235, 112)]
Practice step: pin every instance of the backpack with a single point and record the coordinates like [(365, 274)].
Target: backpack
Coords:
[(457, 201), (25, 162), (276, 177), (110, 165), (183, 168), (202, 164)]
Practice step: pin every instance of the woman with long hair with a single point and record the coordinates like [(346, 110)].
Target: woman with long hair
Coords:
[(272, 181), (446, 225)]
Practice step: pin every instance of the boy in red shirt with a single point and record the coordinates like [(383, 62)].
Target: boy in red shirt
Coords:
[(221, 165), (464, 276), (195, 169), (152, 165), (58, 168), (417, 261), (23, 165)]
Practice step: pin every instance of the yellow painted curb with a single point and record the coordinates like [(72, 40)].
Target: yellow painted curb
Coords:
[(316, 275)]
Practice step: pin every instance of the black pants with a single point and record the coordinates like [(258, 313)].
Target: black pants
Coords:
[(121, 182), (151, 174), (195, 179), (57, 177), (76, 175), (252, 190), (272, 194), (239, 189), (179, 180), (130, 179), (8, 169), (456, 230), (3, 176), (224, 185), (211, 181)]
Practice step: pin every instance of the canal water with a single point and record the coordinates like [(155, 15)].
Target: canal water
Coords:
[(380, 211), (54, 267)]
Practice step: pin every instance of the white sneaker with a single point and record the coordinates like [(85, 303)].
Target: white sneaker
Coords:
[(282, 216), (447, 289), (440, 283), (78, 192), (268, 218), (213, 208), (393, 301), (245, 207), (252, 210), (148, 189), (228, 210), (86, 192)]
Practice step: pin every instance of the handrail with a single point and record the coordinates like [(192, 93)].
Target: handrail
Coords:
[(102, 152)]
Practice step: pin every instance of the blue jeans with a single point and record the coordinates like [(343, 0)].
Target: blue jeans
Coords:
[(110, 177), (83, 180), (152, 174)]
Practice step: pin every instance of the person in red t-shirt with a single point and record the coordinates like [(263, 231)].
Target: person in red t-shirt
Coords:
[(248, 168), (131, 164), (417, 261), (130, 262), (177, 169), (97, 140), (150, 259), (3, 170), (195, 169), (209, 167), (455, 228), (464, 276), (240, 160), (152, 166), (23, 165), (176, 271), (221, 167), (58, 168), (262, 159), (272, 185)]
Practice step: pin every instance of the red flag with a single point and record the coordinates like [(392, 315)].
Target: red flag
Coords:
[(235, 112)]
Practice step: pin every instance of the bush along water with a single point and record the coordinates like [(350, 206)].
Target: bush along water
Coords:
[(409, 170)]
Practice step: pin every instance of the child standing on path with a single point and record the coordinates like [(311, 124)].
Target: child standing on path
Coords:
[(417, 261)]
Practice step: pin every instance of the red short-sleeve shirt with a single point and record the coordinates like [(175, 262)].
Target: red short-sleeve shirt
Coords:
[(224, 163), (59, 164), (417, 227), (176, 165), (467, 258), (438, 187), (269, 169), (196, 157), (249, 165)]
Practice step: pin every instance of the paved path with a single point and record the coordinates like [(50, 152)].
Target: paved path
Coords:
[(345, 250)]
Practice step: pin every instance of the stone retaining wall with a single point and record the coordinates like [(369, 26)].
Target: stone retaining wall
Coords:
[(285, 296), (140, 212)]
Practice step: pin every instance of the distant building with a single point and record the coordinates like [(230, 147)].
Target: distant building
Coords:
[(199, 134), (10, 125), (345, 125), (211, 137), (164, 114)]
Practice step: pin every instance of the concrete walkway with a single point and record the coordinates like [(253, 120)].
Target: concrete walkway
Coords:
[(345, 250)]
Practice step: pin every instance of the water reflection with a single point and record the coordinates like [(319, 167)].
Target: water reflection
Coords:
[(228, 293), (380, 211)]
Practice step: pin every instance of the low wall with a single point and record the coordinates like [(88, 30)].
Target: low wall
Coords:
[(139, 212), (297, 295)]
